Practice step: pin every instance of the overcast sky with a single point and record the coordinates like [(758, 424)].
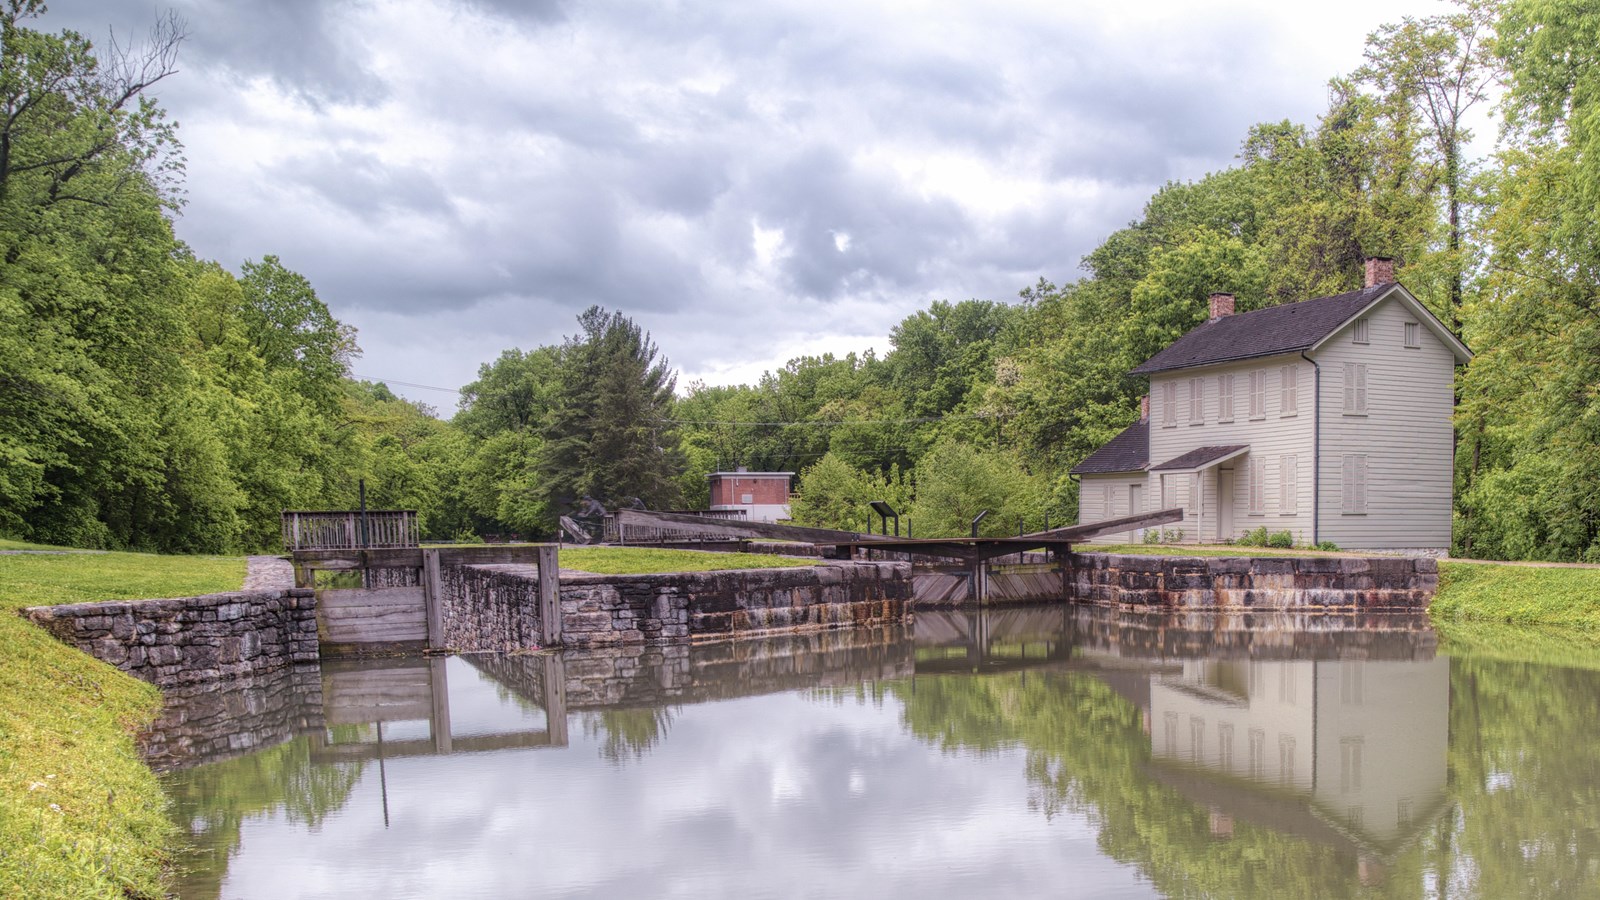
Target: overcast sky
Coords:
[(749, 181)]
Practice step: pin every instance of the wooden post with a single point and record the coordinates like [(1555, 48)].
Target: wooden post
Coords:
[(555, 699), (549, 596), (439, 713), (433, 598)]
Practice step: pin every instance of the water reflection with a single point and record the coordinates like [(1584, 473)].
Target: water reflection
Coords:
[(967, 755)]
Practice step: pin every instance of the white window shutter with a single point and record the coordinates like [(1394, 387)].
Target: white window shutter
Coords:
[(1361, 483), (1347, 484), (1361, 387), (1349, 387)]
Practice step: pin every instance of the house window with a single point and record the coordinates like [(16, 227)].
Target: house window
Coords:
[(1288, 387), (1258, 394), (1361, 331), (1106, 501), (1197, 403), (1354, 495), (1355, 388), (1224, 398), (1413, 334), (1169, 404), (1194, 495), (1258, 486), (1288, 484)]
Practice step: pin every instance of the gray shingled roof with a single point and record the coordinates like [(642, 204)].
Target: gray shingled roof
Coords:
[(1265, 332), (1127, 452), (1199, 456)]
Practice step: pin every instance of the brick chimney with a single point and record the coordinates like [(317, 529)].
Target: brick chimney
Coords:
[(1380, 270), (1144, 408), (1221, 305)]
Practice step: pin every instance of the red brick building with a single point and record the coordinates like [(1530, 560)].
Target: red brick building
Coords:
[(764, 496)]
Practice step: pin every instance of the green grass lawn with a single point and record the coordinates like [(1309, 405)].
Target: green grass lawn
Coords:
[(80, 814), (647, 561), (1547, 597)]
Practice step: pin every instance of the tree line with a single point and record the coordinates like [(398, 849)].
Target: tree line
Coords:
[(151, 399)]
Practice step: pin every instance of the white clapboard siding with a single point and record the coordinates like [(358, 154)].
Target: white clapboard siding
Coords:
[(1092, 507), (1271, 434), (1405, 434)]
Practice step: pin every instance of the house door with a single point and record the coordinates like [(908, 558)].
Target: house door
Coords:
[(1224, 504), (1136, 506)]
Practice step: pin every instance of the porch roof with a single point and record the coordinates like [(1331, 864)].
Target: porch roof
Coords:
[(1202, 458)]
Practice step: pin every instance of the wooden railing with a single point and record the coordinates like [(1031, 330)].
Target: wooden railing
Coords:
[(635, 534), (350, 529)]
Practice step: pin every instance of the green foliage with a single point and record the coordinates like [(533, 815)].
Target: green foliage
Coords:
[(956, 482), (1255, 537), (1280, 540), (835, 494), (1546, 596), (609, 432)]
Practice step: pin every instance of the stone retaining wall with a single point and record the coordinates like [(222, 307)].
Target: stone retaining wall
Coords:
[(191, 639), (1290, 583), (496, 607), (205, 723)]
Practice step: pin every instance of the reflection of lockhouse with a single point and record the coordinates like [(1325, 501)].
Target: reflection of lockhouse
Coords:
[(1348, 753)]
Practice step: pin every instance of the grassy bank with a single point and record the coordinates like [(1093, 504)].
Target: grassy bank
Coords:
[(1564, 598), (80, 814), (647, 561)]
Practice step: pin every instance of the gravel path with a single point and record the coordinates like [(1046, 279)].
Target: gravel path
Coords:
[(268, 573)]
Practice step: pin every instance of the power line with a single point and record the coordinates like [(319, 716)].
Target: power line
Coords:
[(426, 387), (916, 421)]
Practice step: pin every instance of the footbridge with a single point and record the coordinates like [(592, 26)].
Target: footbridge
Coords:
[(966, 559)]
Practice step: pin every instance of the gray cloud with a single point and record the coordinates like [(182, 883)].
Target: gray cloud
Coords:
[(459, 175)]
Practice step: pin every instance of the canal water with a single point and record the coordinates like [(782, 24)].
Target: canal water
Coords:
[(1026, 752)]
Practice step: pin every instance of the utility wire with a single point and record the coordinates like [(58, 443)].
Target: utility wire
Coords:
[(916, 421), (426, 387)]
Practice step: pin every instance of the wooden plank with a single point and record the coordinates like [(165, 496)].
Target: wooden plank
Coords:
[(369, 632), (433, 598), (555, 699), (399, 558), (439, 712), (1077, 533), (339, 598), (479, 743), (549, 597), (491, 554), (647, 519), (364, 713)]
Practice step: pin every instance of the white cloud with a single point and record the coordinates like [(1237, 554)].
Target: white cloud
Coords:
[(747, 181)]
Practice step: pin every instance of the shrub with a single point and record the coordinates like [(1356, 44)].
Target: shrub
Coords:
[(1280, 540), (1254, 538), (1328, 546)]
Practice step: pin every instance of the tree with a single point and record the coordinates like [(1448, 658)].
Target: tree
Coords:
[(609, 432), (956, 482), (75, 127), (1442, 66), (292, 328), (835, 494)]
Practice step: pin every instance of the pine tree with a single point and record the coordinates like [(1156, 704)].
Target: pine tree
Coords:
[(608, 433)]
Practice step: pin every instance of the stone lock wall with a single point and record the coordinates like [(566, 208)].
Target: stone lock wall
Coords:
[(490, 608), (1292, 583), (191, 639), (496, 607)]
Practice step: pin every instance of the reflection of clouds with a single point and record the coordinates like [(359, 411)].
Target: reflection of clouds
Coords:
[(775, 796)]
